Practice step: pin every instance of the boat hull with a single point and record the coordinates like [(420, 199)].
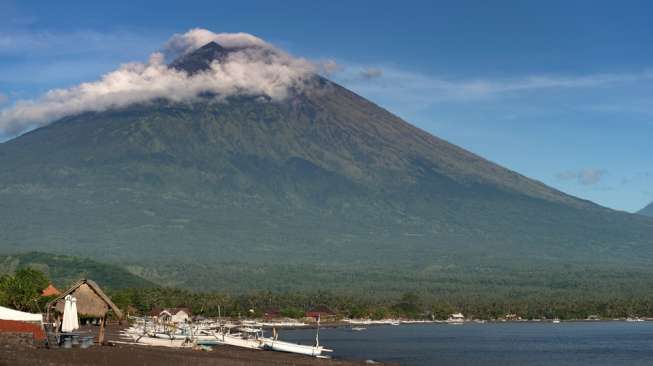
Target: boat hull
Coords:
[(293, 348)]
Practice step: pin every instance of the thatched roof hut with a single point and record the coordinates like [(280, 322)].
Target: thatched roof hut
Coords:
[(91, 302)]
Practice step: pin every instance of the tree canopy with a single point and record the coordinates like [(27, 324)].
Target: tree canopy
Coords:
[(22, 290)]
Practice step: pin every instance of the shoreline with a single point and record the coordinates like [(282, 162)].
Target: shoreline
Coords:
[(362, 323), (128, 355), (117, 351)]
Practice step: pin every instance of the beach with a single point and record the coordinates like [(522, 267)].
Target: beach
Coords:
[(127, 355), (118, 353)]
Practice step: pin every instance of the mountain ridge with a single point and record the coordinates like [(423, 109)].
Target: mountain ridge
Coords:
[(647, 211), (64, 270), (323, 176)]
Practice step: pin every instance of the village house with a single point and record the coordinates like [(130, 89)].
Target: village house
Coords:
[(322, 312), (171, 315), (272, 313), (512, 317), (50, 291)]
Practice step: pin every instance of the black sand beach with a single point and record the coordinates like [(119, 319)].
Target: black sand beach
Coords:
[(127, 355)]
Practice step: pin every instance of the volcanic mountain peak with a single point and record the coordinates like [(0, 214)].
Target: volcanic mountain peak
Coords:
[(201, 58)]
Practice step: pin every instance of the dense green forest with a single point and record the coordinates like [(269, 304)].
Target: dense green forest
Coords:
[(531, 294), (516, 282), (408, 305)]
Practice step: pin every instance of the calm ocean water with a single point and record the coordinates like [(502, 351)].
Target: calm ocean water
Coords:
[(605, 343)]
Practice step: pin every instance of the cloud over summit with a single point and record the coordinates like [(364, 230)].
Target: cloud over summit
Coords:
[(252, 67), (181, 44)]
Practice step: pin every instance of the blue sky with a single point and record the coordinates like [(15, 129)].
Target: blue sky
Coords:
[(559, 91)]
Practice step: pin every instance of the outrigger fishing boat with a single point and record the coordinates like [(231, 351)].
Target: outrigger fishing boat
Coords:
[(276, 345), (148, 333)]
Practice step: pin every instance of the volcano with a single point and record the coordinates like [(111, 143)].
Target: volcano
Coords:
[(321, 177)]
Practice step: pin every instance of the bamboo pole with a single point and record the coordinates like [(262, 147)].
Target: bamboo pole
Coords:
[(101, 335)]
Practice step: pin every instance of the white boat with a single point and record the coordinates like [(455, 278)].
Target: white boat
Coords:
[(170, 335), (556, 321), (244, 335), (358, 329), (281, 346), (634, 319), (161, 342), (237, 340), (456, 319), (283, 324)]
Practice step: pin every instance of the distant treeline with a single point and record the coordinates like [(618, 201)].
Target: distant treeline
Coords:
[(22, 290), (409, 305)]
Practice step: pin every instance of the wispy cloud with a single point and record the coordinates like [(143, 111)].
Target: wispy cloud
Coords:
[(645, 177), (422, 87), (3, 98), (641, 105), (371, 73), (586, 177)]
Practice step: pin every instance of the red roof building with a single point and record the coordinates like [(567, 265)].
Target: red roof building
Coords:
[(272, 313), (50, 291), (321, 311)]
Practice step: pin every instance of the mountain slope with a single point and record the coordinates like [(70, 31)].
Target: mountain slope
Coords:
[(65, 270), (323, 176), (648, 210)]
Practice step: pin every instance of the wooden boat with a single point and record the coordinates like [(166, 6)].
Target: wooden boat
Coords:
[(161, 341), (280, 346)]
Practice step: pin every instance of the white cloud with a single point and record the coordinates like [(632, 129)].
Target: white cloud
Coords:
[(329, 67), (371, 73), (586, 177), (180, 44), (423, 88), (254, 67)]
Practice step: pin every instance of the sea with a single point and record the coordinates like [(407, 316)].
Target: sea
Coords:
[(592, 343)]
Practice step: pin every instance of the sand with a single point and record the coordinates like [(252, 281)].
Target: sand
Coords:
[(127, 355)]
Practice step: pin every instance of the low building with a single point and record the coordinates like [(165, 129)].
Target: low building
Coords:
[(512, 317), (456, 318), (171, 315), (272, 313), (15, 334), (18, 328), (50, 291), (322, 312)]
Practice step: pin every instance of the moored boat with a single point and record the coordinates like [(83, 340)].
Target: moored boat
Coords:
[(281, 346), (456, 319)]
